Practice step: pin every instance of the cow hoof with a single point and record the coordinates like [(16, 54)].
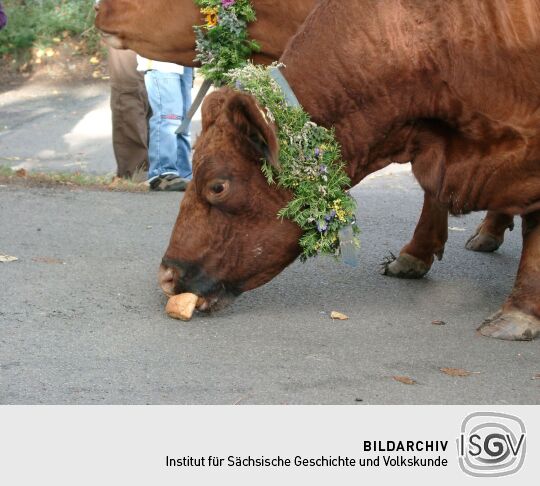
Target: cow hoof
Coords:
[(483, 242), (511, 326), (405, 266)]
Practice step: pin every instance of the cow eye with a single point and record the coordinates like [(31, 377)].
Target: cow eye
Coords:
[(218, 188)]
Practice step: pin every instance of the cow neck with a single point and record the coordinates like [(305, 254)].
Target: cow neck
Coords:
[(337, 79), (276, 24), (322, 102)]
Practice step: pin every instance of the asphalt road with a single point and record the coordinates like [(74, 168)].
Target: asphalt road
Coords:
[(82, 320), (60, 127)]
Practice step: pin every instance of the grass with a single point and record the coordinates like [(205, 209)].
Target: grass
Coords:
[(43, 23), (68, 179)]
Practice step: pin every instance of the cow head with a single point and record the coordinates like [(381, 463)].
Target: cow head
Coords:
[(228, 238), (160, 29)]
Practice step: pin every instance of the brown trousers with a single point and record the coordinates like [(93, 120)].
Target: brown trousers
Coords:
[(130, 111)]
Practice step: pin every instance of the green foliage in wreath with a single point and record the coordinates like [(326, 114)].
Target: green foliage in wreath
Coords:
[(223, 42), (311, 166)]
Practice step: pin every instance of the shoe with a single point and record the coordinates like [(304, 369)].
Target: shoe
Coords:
[(169, 182)]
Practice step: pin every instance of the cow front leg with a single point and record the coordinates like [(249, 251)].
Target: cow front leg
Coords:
[(489, 236), (519, 317), (415, 258)]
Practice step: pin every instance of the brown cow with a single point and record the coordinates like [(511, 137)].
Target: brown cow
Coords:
[(163, 30), (452, 86)]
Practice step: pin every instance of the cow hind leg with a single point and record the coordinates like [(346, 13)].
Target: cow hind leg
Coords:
[(415, 258), (519, 317), (489, 236)]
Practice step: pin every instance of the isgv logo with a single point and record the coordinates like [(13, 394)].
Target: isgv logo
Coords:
[(491, 444)]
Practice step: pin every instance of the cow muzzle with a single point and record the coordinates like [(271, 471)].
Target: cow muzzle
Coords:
[(112, 40), (109, 38), (166, 280), (177, 278)]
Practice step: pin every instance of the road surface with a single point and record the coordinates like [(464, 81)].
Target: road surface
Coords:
[(82, 319)]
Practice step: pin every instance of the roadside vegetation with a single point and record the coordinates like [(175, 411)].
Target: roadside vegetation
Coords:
[(58, 35), (39, 24), (72, 180)]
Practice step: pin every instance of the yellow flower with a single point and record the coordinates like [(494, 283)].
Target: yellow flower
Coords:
[(337, 204), (341, 216), (340, 212), (211, 14)]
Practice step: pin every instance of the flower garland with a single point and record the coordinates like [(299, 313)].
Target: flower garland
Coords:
[(310, 157), (310, 167), (223, 42)]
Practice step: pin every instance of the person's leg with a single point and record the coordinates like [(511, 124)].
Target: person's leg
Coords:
[(165, 97), (129, 107), (184, 141)]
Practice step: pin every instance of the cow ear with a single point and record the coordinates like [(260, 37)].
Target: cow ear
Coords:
[(212, 107), (250, 120)]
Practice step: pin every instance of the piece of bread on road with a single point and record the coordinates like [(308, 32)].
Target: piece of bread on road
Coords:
[(182, 306)]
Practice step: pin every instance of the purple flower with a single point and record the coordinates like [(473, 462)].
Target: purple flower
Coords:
[(323, 169), (227, 3), (321, 227), (317, 152), (239, 85), (329, 217)]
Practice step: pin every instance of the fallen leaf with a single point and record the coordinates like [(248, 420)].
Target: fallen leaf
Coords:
[(438, 323), (48, 260), (457, 372), (94, 60), (21, 173), (405, 380), (7, 258), (339, 316)]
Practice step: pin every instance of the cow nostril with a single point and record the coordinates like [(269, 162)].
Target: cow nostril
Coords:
[(166, 279)]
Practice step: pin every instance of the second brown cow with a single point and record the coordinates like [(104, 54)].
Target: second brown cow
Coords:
[(452, 86)]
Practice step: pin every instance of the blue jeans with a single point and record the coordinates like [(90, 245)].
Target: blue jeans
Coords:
[(169, 95)]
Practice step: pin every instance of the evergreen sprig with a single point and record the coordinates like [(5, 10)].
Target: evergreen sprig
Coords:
[(310, 166), (223, 43)]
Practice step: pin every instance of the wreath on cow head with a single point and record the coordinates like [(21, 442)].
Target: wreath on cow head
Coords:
[(310, 166), (310, 158)]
